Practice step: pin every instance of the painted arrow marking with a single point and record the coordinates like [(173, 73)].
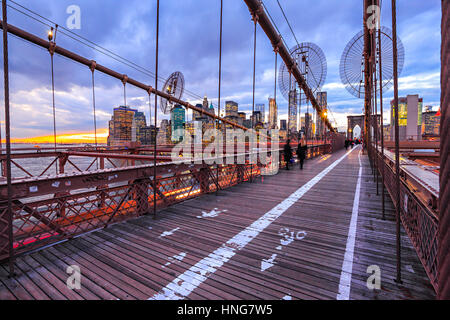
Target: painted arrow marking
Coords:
[(175, 258), (213, 213), (268, 263), (168, 233)]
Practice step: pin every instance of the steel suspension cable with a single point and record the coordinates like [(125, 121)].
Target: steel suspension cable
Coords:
[(376, 112), (382, 124), (51, 51), (93, 105), (288, 23), (155, 184), (275, 87), (252, 118), (9, 213), (220, 86), (397, 143)]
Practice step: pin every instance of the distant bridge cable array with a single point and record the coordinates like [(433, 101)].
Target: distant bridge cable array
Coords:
[(257, 8)]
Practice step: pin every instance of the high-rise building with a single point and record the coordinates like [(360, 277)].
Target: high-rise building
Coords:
[(409, 118), (129, 125), (309, 128), (323, 103), (231, 113), (231, 109), (121, 126), (302, 124), (164, 133), (139, 125), (211, 110), (256, 118), (283, 124), (261, 107), (148, 135), (273, 114), (430, 122), (242, 116), (177, 120), (292, 123), (197, 114)]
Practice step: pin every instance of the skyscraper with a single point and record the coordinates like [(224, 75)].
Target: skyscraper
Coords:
[(139, 125), (322, 101), (178, 120), (164, 133), (261, 107), (430, 122), (292, 111), (231, 109), (205, 103), (121, 126), (409, 117), (241, 118), (273, 114), (308, 125)]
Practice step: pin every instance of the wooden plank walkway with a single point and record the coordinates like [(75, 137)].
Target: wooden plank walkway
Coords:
[(299, 255)]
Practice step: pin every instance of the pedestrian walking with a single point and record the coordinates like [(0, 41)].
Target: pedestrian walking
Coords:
[(287, 151), (301, 152)]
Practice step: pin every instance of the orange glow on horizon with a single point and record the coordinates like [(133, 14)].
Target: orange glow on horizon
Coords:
[(67, 138)]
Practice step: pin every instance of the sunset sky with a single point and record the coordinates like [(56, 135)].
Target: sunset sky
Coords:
[(189, 43)]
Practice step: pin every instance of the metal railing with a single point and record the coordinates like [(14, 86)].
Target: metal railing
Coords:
[(47, 210), (419, 209)]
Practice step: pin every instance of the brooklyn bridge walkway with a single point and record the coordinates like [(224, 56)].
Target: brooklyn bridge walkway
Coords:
[(308, 234)]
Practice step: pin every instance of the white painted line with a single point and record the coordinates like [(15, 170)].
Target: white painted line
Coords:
[(347, 265), (187, 282)]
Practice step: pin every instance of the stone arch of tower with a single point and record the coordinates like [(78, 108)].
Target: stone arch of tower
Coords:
[(352, 122)]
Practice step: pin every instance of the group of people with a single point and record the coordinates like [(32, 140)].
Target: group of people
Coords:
[(302, 148), (351, 143)]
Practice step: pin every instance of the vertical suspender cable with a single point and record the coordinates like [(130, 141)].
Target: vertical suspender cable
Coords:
[(53, 105), (307, 122), (156, 106), (255, 19), (219, 93), (8, 137), (275, 87), (289, 106), (124, 94), (397, 144), (150, 118), (93, 105), (382, 124), (376, 112), (299, 112), (252, 118)]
